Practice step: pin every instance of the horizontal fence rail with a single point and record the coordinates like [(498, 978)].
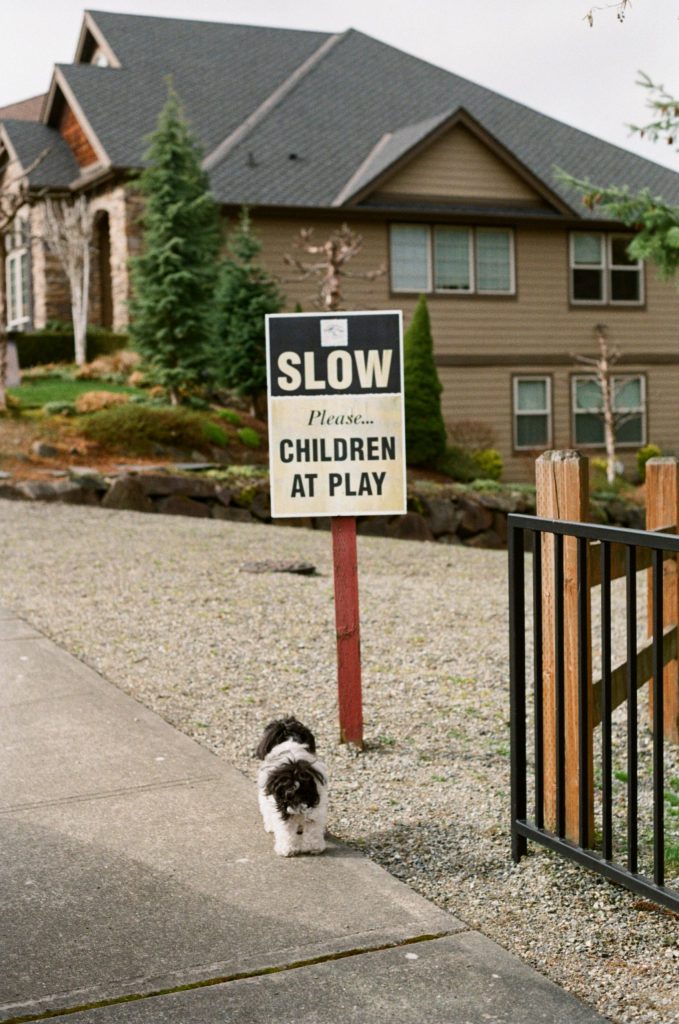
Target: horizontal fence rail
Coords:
[(557, 715)]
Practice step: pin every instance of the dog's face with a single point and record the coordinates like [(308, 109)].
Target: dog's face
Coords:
[(283, 729), (294, 787)]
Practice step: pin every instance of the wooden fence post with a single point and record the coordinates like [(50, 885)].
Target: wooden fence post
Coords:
[(662, 512), (562, 483)]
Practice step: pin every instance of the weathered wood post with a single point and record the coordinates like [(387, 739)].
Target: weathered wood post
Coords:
[(662, 512), (562, 483)]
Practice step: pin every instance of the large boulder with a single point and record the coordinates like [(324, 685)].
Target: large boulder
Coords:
[(127, 493), (181, 505), (166, 484)]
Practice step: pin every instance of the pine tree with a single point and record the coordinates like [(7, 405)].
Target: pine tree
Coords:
[(425, 430), (245, 295), (174, 278)]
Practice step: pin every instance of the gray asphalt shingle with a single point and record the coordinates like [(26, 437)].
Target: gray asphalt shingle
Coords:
[(31, 139), (310, 146)]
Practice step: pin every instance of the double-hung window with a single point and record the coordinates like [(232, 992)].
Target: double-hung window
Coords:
[(602, 272), (17, 276), (532, 408), (628, 394), (452, 260)]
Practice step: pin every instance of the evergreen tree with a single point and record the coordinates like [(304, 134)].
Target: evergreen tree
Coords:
[(245, 295), (174, 278), (425, 430)]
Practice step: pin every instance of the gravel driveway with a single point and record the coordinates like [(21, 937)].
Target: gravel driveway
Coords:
[(160, 606)]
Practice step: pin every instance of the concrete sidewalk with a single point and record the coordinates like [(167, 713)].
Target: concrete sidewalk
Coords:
[(139, 886)]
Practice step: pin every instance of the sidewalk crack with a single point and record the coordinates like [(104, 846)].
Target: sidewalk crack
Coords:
[(225, 979)]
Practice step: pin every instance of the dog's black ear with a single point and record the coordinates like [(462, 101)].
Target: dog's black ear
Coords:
[(282, 729), (299, 732)]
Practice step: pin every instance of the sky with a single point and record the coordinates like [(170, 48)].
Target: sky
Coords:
[(540, 52)]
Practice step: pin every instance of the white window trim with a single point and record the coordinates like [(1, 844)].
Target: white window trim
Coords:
[(516, 412), (17, 248), (472, 290), (641, 409), (605, 268)]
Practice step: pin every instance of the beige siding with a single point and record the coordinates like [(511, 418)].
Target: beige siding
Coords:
[(461, 165), (534, 324)]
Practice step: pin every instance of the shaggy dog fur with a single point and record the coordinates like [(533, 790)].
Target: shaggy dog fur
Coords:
[(293, 788)]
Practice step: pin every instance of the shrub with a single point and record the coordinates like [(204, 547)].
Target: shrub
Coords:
[(458, 464), (230, 416), (649, 451), (489, 464), (472, 434), (215, 434), (425, 431), (138, 428), (59, 409), (249, 436), (116, 366), (35, 348), (93, 401)]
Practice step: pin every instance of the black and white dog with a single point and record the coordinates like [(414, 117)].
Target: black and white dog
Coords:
[(293, 788)]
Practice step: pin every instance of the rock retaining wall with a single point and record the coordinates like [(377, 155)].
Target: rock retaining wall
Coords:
[(445, 513)]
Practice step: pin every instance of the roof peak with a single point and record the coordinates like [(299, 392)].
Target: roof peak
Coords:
[(204, 21)]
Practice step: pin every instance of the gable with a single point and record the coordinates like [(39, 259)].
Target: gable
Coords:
[(459, 165), (73, 135)]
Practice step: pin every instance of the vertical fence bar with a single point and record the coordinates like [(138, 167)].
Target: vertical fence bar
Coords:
[(538, 685), (658, 707), (632, 753), (517, 675), (559, 694), (584, 809), (606, 705)]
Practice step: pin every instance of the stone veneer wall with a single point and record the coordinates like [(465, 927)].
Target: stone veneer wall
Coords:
[(51, 298)]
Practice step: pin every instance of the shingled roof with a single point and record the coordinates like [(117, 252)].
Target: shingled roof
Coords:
[(306, 119), (43, 149)]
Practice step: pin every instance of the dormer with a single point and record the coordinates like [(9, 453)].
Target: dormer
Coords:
[(93, 47), (64, 112)]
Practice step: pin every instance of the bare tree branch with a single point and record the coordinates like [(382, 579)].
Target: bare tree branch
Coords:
[(620, 6), (337, 250)]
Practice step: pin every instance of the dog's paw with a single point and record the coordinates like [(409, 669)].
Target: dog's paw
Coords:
[(286, 851)]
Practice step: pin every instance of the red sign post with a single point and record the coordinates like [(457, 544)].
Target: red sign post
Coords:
[(347, 625), (337, 448)]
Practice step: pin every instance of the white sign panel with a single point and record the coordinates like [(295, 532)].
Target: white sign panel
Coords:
[(336, 423)]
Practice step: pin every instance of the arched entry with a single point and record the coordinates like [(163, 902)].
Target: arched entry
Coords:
[(102, 240)]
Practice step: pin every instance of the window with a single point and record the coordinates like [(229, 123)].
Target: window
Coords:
[(17, 276), (452, 260), (629, 407), (602, 272), (532, 401)]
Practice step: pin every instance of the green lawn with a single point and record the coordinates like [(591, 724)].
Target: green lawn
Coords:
[(33, 394)]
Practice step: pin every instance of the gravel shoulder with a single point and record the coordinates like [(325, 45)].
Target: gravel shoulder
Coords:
[(159, 605)]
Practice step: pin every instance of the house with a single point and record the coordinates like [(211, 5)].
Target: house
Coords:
[(451, 185)]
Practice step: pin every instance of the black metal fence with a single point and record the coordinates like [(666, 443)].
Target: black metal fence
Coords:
[(592, 848)]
